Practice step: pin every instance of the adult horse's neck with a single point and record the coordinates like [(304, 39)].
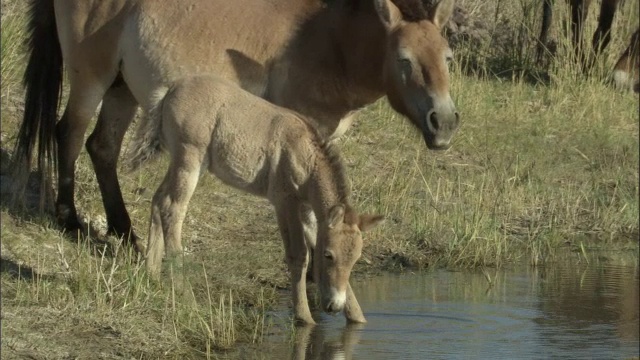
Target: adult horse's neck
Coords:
[(332, 66)]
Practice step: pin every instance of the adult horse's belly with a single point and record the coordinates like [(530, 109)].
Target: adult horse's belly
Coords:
[(166, 40)]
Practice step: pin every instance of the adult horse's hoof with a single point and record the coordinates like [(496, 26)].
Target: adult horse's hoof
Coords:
[(67, 219)]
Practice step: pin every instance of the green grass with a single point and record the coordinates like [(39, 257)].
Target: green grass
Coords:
[(546, 161)]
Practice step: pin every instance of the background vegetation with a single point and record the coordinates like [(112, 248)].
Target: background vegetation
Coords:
[(546, 162)]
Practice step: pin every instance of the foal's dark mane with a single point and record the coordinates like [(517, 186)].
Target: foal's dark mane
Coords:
[(331, 156), (334, 160)]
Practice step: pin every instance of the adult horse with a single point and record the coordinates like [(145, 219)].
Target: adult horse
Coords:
[(323, 59), (626, 68), (579, 11)]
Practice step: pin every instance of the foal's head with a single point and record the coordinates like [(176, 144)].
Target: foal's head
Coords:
[(338, 247), (416, 67)]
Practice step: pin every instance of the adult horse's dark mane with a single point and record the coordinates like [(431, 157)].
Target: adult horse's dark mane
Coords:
[(412, 10)]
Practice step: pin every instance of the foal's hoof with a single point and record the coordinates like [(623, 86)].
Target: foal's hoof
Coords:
[(356, 320), (304, 321)]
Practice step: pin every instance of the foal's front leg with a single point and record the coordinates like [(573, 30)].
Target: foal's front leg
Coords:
[(296, 255), (352, 310)]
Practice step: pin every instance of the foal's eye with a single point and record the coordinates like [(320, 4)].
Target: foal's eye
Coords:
[(328, 255)]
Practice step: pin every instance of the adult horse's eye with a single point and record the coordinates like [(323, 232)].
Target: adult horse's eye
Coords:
[(449, 57), (404, 63), (406, 68)]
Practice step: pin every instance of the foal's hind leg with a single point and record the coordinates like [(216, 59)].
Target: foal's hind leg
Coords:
[(84, 97), (169, 206), (118, 110)]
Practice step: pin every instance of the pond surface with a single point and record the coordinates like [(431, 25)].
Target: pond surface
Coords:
[(565, 311)]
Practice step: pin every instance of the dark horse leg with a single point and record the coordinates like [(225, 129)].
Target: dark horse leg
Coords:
[(547, 15), (602, 35), (84, 97), (579, 11), (118, 110)]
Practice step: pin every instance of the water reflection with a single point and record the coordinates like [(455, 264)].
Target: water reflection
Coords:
[(567, 311), (313, 343), (589, 307)]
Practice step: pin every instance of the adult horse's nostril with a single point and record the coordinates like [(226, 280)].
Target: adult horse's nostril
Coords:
[(433, 120)]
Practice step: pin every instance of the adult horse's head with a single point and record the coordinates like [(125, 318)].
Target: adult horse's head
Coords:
[(416, 69), (338, 247)]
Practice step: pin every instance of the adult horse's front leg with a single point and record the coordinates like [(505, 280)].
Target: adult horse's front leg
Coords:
[(579, 11), (296, 256), (84, 97), (118, 110), (602, 35)]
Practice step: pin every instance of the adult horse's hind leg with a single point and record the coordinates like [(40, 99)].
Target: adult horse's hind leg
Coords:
[(84, 97), (118, 110)]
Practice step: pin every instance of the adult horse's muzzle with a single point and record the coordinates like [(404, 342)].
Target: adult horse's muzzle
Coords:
[(439, 127)]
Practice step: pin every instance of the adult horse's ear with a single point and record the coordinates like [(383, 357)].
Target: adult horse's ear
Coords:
[(336, 216), (368, 222), (388, 13), (441, 12)]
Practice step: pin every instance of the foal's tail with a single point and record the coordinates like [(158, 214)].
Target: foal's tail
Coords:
[(147, 143), (43, 82)]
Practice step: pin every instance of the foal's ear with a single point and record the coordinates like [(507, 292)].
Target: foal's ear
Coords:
[(388, 13), (441, 12), (336, 216), (368, 222)]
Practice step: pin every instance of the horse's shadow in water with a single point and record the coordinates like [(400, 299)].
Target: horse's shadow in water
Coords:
[(30, 208), (312, 343)]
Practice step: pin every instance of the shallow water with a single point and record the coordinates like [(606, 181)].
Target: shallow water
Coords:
[(565, 311)]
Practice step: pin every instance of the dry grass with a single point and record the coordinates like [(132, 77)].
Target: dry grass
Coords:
[(546, 160)]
